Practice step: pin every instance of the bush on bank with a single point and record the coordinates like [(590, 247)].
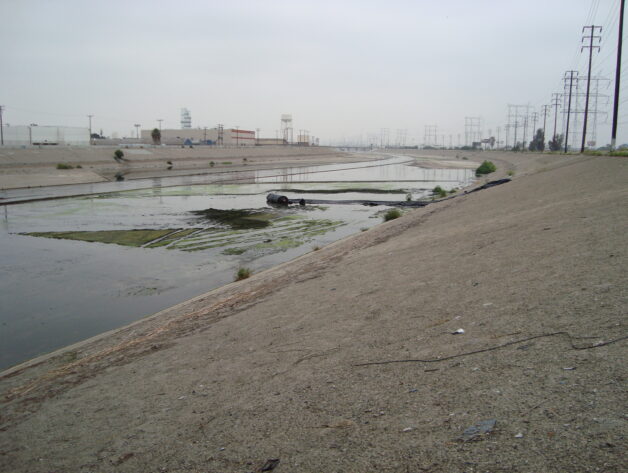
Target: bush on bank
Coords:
[(486, 167)]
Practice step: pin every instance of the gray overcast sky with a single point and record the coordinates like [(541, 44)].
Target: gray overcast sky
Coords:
[(343, 69)]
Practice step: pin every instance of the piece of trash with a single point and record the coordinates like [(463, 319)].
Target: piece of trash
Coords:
[(413, 390), (270, 465), (181, 397), (221, 448), (519, 436), (570, 368), (407, 429), (487, 304), (478, 429), (457, 332)]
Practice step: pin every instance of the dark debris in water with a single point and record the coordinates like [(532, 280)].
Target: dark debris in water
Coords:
[(238, 219)]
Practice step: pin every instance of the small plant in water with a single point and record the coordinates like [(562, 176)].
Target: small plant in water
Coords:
[(440, 191), (118, 154), (243, 273), (408, 197), (392, 214), (64, 166), (316, 248), (212, 164)]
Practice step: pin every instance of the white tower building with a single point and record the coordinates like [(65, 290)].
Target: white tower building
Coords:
[(186, 119)]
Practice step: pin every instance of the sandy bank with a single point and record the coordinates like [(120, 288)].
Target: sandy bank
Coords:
[(271, 367)]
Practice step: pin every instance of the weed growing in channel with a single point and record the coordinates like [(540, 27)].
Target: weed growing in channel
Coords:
[(392, 214), (440, 191), (64, 166), (243, 273)]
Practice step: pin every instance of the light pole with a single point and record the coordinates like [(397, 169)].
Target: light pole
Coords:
[(137, 127), (90, 128), (160, 120), (237, 136)]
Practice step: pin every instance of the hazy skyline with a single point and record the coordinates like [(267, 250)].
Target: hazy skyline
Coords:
[(342, 69)]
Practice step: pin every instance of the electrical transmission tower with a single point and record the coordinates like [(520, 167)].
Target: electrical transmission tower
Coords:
[(430, 135), (590, 47), (571, 76), (516, 119), (545, 111), (472, 130), (555, 105)]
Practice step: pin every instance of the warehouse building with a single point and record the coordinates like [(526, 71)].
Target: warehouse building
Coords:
[(229, 137), (35, 135)]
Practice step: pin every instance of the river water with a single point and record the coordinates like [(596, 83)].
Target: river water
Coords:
[(57, 291)]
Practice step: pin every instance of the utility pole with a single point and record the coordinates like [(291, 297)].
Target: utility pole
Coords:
[(137, 127), (590, 47), (573, 75), (257, 134), (1, 128), (499, 129), (205, 135), (237, 136), (90, 128), (617, 76), (535, 117), (555, 104), (159, 120)]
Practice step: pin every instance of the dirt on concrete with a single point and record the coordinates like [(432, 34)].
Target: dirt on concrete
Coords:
[(375, 353)]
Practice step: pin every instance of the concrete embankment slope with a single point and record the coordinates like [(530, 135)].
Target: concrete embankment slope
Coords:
[(32, 167), (534, 271)]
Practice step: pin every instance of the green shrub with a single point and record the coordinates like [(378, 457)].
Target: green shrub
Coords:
[(118, 154), (408, 197), (64, 166), (212, 164), (392, 214), (511, 173), (226, 162), (486, 167), (243, 273)]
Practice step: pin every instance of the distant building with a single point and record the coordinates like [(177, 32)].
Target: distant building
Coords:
[(271, 142), (186, 119), (229, 137), (35, 135)]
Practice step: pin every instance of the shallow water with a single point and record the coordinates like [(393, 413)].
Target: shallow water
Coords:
[(54, 292)]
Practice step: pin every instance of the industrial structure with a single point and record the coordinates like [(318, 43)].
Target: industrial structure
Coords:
[(35, 135), (186, 119)]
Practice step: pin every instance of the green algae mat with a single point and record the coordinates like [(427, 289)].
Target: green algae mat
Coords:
[(234, 232)]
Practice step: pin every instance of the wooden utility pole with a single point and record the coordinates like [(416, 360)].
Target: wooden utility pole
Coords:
[(617, 75), (590, 47)]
